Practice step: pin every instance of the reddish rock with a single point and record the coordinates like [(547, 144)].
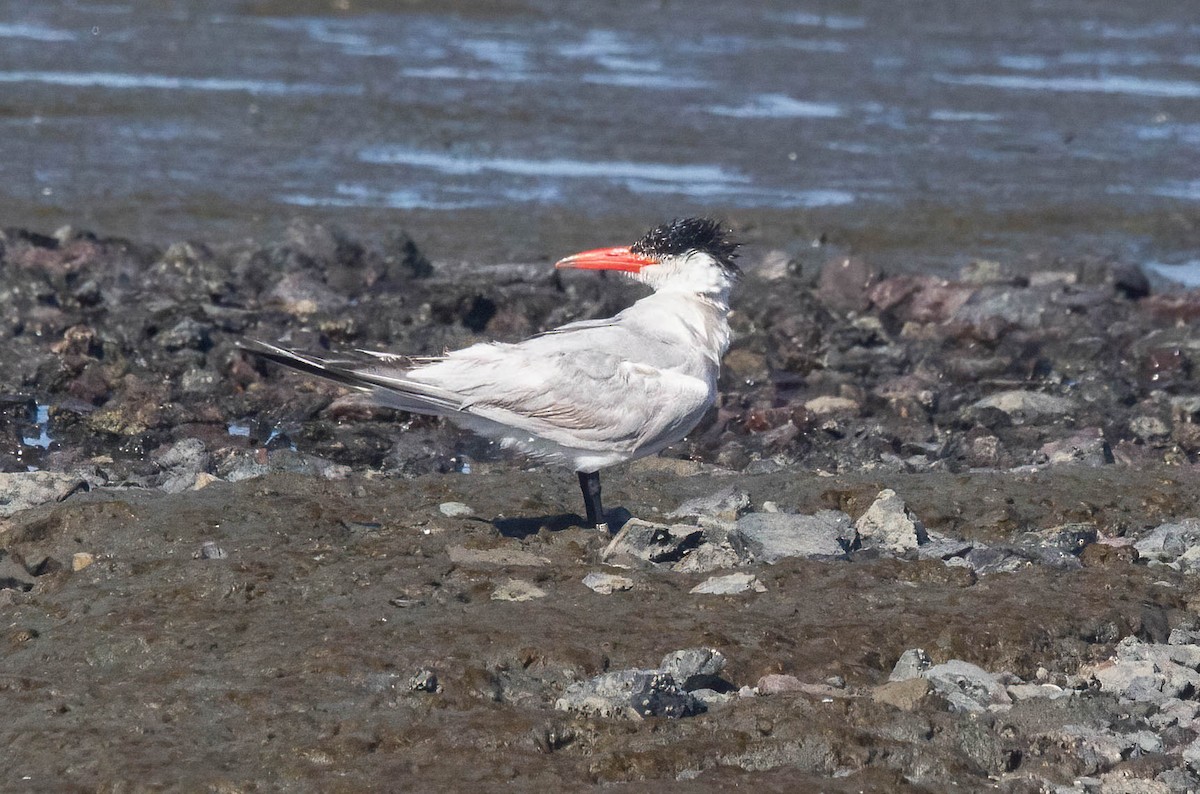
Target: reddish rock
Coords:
[(46, 255), (891, 292), (936, 303), (920, 299), (1183, 306), (774, 683), (844, 284)]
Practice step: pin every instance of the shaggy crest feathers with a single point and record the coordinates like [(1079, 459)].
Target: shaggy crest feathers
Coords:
[(690, 234)]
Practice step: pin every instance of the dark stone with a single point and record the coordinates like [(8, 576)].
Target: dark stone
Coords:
[(660, 696)]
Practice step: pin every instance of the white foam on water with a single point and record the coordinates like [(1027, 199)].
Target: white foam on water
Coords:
[(21, 30), (1106, 84), (779, 106), (552, 167), (119, 81)]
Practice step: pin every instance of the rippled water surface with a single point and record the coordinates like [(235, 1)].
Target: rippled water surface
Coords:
[(218, 119)]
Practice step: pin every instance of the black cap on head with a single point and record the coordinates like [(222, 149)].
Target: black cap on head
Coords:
[(690, 234)]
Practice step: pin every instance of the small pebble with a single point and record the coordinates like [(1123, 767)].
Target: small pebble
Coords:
[(81, 560), (424, 680), (211, 551)]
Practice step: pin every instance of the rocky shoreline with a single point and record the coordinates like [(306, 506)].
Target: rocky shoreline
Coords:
[(937, 532)]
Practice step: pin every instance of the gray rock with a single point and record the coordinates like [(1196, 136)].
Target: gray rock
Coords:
[(680, 687), (1174, 711), (188, 453), (645, 542), (716, 551), (984, 559), (608, 695), (944, 547), (1149, 672), (424, 680), (517, 590), (1167, 542), (1098, 748), (13, 575), (660, 695), (776, 683), (691, 663), (248, 464), (1137, 681), (187, 334), (967, 687), (243, 466), (198, 380), (726, 504), (711, 698), (292, 461), (455, 509), (905, 695), (729, 584), (1149, 428), (890, 525), (1086, 448), (1191, 755), (1021, 307), (303, 294), (1026, 405), (25, 489), (1183, 636), (1068, 538), (183, 461), (770, 537), (607, 583), (830, 405), (209, 550), (1019, 692), (1180, 778), (911, 664)]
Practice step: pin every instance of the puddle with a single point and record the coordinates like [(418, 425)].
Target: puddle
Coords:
[(41, 420)]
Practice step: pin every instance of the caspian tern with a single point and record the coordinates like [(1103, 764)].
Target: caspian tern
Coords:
[(591, 393)]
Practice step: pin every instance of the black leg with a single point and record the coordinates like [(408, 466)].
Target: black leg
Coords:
[(589, 483)]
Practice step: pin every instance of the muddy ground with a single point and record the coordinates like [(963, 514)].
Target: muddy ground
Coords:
[(223, 577)]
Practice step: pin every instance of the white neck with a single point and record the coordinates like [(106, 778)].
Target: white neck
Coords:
[(693, 273), (693, 292)]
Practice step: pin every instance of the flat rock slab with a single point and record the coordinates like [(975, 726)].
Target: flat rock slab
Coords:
[(966, 686), (727, 503), (646, 542), (23, 490), (1027, 405), (770, 537), (1166, 542), (729, 584), (607, 583)]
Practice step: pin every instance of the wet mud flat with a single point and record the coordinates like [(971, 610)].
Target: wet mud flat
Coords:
[(938, 532)]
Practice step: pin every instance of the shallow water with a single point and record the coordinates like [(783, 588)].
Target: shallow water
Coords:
[(219, 120)]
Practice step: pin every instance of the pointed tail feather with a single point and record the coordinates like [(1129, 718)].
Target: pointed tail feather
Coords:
[(385, 382)]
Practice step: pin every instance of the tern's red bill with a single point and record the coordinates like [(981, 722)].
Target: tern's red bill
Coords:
[(620, 258)]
